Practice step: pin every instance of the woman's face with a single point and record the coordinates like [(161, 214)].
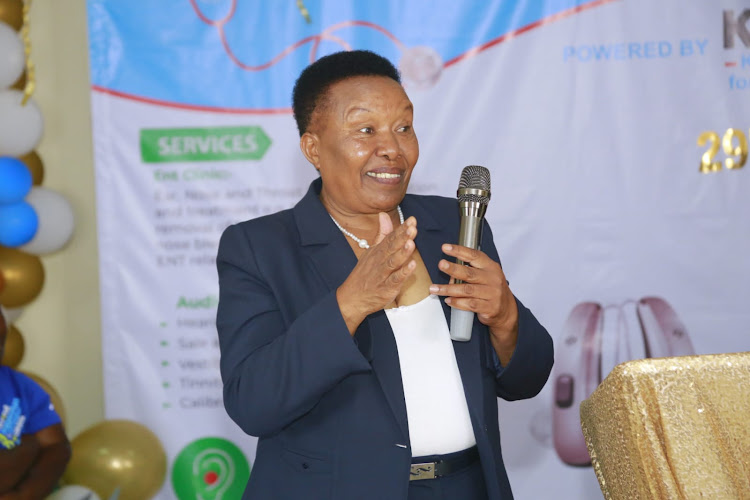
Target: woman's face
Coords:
[(363, 144)]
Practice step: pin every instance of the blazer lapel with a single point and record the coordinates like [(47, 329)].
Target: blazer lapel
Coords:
[(334, 260), (387, 368), (331, 256)]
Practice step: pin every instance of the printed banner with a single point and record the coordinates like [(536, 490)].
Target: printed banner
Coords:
[(616, 132)]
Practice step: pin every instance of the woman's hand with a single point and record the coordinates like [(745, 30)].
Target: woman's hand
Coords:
[(377, 278), (484, 291)]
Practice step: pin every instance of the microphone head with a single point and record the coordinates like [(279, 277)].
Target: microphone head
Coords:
[(474, 185)]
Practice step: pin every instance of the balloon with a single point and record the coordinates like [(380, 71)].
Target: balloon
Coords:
[(34, 163), (2, 282), (118, 453), (73, 492), (18, 224), (21, 127), (12, 59), (11, 315), (56, 221), (11, 12), (14, 348), (15, 180), (24, 277), (53, 395)]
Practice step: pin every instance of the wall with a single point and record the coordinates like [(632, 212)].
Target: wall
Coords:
[(62, 327)]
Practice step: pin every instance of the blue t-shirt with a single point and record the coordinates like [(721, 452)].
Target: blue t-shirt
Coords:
[(25, 408)]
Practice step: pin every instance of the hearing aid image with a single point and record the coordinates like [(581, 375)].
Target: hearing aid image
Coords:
[(594, 339)]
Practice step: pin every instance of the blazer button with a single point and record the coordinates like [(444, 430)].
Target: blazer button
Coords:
[(305, 465)]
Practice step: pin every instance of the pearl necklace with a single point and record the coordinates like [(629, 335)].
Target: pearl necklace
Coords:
[(361, 241)]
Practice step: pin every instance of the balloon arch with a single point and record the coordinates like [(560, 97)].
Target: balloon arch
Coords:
[(112, 459)]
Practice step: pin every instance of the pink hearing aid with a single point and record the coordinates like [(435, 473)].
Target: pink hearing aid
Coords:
[(663, 333), (577, 373)]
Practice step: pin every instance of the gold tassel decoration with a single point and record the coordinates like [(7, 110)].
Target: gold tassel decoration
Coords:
[(30, 79), (303, 10)]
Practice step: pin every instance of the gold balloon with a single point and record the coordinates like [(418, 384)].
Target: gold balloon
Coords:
[(35, 166), (53, 394), (118, 454), (14, 348), (11, 12), (2, 284), (24, 277)]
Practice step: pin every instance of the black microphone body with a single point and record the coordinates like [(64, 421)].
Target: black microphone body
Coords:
[(473, 198)]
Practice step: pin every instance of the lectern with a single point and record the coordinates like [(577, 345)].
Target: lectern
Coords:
[(672, 428)]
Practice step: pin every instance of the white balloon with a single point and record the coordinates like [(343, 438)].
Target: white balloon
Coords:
[(11, 315), (73, 492), (56, 221), (21, 127), (12, 59)]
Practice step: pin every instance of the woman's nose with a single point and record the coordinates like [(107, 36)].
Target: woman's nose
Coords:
[(389, 146)]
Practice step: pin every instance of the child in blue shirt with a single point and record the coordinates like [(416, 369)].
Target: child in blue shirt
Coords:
[(34, 449)]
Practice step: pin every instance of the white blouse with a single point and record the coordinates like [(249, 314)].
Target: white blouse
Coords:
[(436, 407)]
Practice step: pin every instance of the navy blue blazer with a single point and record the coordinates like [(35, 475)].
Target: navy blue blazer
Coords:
[(329, 409)]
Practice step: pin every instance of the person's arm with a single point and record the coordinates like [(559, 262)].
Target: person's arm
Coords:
[(531, 363), (275, 369), (47, 469), (522, 348), (16, 461)]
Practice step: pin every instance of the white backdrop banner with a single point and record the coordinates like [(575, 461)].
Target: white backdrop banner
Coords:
[(615, 130)]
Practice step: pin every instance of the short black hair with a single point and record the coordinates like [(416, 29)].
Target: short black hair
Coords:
[(313, 83)]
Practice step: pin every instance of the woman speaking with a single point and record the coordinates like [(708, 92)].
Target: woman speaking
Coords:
[(335, 349)]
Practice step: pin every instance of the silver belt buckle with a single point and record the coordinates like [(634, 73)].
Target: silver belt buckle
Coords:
[(422, 471)]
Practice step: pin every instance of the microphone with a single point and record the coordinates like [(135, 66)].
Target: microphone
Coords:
[(473, 198)]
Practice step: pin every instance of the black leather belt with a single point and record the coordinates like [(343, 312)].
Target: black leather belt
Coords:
[(433, 470)]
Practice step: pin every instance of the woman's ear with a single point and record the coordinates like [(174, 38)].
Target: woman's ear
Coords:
[(308, 144)]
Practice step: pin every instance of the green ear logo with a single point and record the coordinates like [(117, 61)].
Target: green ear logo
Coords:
[(210, 469)]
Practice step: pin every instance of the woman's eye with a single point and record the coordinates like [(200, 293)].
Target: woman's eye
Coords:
[(405, 128), (366, 130)]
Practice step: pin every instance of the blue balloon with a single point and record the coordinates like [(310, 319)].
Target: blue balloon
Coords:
[(15, 180), (18, 224)]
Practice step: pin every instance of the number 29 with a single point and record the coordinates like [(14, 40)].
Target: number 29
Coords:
[(736, 155)]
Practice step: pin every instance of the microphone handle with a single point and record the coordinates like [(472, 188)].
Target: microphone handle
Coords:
[(469, 236)]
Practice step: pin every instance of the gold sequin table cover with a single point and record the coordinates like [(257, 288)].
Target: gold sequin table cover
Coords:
[(672, 428)]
